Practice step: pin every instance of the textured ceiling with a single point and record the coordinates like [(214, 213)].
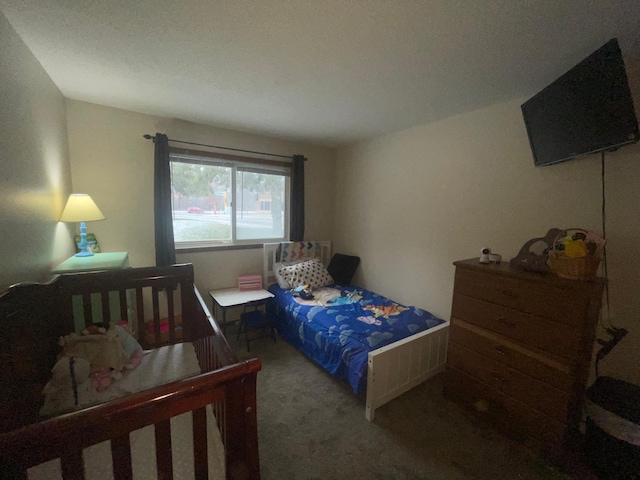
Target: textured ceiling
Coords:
[(323, 71)]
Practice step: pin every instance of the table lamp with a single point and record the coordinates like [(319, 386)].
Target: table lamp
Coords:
[(81, 208)]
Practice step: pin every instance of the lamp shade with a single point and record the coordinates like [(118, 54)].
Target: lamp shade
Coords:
[(81, 208)]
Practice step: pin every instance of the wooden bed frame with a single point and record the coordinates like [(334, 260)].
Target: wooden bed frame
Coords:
[(396, 368), (34, 316)]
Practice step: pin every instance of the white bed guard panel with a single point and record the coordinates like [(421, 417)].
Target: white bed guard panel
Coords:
[(402, 365)]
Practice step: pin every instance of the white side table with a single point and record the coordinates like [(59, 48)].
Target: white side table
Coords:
[(234, 297)]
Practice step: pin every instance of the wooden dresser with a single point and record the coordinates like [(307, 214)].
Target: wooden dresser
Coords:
[(520, 346)]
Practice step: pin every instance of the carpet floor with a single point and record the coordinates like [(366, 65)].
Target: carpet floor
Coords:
[(311, 426)]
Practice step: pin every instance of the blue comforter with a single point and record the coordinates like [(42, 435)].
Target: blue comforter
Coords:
[(340, 335)]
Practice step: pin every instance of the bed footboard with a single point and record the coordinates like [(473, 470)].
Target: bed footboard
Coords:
[(400, 366)]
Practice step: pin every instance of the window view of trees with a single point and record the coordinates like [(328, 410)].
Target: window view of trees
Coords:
[(204, 209)]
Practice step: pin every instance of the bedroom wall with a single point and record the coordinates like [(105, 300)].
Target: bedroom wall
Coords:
[(415, 201), (113, 163), (35, 180)]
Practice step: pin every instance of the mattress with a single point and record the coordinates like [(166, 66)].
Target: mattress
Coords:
[(158, 367)]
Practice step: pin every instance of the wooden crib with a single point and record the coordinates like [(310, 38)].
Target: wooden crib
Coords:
[(166, 309)]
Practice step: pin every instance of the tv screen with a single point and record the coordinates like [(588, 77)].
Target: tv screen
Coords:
[(587, 110)]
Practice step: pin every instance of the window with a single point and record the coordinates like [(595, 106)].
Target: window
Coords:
[(228, 200)]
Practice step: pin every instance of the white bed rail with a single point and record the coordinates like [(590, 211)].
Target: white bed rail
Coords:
[(402, 365)]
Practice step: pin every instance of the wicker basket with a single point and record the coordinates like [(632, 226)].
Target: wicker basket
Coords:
[(581, 268)]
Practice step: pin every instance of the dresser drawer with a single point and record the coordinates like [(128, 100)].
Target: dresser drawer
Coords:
[(552, 337), (542, 299), (499, 409), (538, 395), (556, 372)]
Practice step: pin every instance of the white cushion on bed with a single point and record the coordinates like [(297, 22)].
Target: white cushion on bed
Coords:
[(277, 266), (276, 273), (311, 272)]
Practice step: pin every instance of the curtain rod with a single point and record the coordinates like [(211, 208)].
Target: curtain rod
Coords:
[(151, 137)]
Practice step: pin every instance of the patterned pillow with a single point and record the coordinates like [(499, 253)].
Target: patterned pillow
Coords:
[(279, 278), (311, 273)]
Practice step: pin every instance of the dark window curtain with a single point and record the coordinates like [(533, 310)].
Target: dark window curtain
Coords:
[(165, 246), (296, 230)]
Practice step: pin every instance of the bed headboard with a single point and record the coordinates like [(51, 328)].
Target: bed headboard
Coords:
[(287, 252)]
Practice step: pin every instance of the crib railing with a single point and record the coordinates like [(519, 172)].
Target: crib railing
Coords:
[(35, 315), (231, 388)]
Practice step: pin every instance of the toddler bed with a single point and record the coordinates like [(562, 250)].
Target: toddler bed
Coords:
[(187, 411), (377, 345)]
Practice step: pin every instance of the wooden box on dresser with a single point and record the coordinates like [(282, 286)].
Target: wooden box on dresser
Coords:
[(520, 346)]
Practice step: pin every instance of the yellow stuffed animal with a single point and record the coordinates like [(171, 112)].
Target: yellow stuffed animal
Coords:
[(100, 350)]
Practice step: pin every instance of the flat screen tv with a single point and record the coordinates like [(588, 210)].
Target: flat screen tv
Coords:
[(587, 110)]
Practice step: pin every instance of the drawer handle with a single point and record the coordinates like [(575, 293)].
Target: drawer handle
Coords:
[(509, 293), (505, 322), (502, 350)]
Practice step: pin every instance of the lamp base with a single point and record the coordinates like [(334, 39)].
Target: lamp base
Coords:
[(84, 251)]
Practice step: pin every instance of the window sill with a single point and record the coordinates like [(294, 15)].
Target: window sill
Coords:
[(217, 248)]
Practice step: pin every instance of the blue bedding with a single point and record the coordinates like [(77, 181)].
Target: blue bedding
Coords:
[(340, 335)]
